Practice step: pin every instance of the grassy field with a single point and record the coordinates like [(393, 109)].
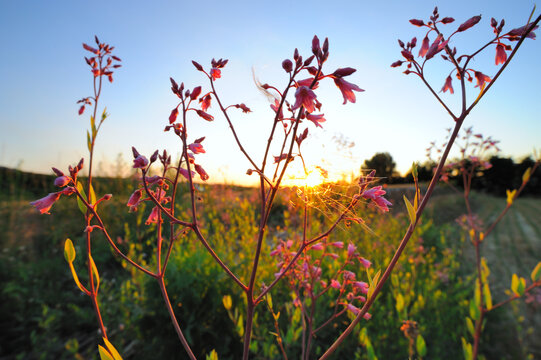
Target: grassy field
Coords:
[(32, 253)]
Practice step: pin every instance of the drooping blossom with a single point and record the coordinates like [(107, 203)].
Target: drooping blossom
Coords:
[(362, 286), (205, 102), (335, 284), (469, 23), (202, 173), (366, 263), (501, 55), (173, 116), (153, 217), (376, 195), (318, 246), (424, 46), (304, 96), (185, 173), (196, 148), (45, 204), (135, 198), (448, 85), (204, 115), (215, 73), (481, 79), (316, 119), (355, 310), (347, 89), (140, 162), (351, 249), (62, 181)]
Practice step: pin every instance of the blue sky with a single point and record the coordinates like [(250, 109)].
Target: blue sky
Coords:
[(43, 75)]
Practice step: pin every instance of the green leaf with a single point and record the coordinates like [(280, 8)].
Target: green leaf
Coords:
[(93, 126), (81, 205), (510, 196), (104, 115), (92, 195), (536, 273), (399, 303), (363, 337), (475, 313), (69, 251), (112, 350), (487, 296), (526, 175), (370, 352), (269, 300), (76, 278), (420, 345), (373, 282), (485, 271), (95, 272), (212, 356), (228, 303), (467, 348), (411, 211), (521, 286), (514, 284), (469, 325), (104, 354), (88, 141)]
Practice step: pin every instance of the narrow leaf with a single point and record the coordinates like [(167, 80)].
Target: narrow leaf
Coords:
[(411, 211), (104, 354), (469, 325), (420, 345), (514, 284), (112, 350), (95, 272), (521, 286), (488, 296), (69, 251), (76, 278), (92, 195), (536, 273), (81, 205), (93, 126), (526, 176), (475, 314), (399, 303), (88, 141)]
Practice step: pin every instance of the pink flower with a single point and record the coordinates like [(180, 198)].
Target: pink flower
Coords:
[(348, 275), (153, 217), (304, 96), (275, 108), (347, 89), (318, 246), (448, 85), (61, 181), (355, 310), (173, 116), (185, 173), (215, 73), (383, 204), (351, 249), (140, 162), (361, 285), (424, 46), (373, 193), (338, 244), (316, 119), (135, 198), (366, 263), (202, 173), (367, 316), (481, 79), (204, 115), (501, 55), (196, 148), (45, 204), (469, 23), (335, 284), (205, 102)]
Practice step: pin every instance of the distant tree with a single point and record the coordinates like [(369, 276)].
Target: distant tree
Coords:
[(424, 172), (383, 164)]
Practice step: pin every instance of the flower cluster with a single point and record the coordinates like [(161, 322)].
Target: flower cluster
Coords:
[(101, 63), (308, 280), (430, 48)]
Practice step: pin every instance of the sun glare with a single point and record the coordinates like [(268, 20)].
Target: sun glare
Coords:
[(315, 177)]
